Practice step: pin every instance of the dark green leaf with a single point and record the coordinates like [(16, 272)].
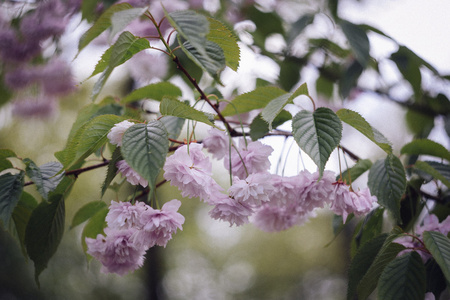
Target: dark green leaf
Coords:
[(255, 99), (86, 212), (44, 232), (408, 64), (317, 133), (367, 229), (387, 181), (299, 26), (426, 147), (420, 123), (173, 126), (172, 107), (4, 162), (351, 174), (46, 177), (11, 187), (403, 279), (259, 128), (112, 169), (5, 93), (144, 147), (225, 38), (349, 78), (359, 42), (21, 215), (94, 227), (424, 166), (439, 246), (435, 278), (154, 91)]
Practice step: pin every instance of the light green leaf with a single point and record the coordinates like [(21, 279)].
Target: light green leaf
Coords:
[(274, 107), (154, 91), (403, 279), (172, 107), (144, 147), (191, 26), (94, 227), (212, 61), (424, 166), (4, 162), (121, 19), (439, 247), (255, 99), (351, 174), (317, 133), (86, 212), (46, 177), (359, 42), (21, 215), (387, 181), (123, 49), (103, 23), (112, 169), (426, 147), (11, 187), (223, 37), (44, 232), (355, 120)]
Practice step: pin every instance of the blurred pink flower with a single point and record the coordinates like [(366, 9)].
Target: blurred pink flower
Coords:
[(217, 143)]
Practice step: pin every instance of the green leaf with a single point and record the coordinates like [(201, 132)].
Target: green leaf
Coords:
[(423, 166), (121, 19), (173, 126), (361, 263), (5, 93), (386, 254), (259, 128), (349, 79), (123, 49), (387, 181), (144, 147), (112, 169), (317, 133), (359, 42), (21, 215), (274, 107), (191, 26), (44, 232), (154, 91), (409, 65), (11, 187), (172, 107), (94, 227), (299, 26), (222, 36), (426, 147), (403, 279), (255, 99), (355, 120), (367, 229), (103, 23), (86, 212), (4, 162), (439, 246), (212, 61), (46, 177), (435, 278), (351, 174)]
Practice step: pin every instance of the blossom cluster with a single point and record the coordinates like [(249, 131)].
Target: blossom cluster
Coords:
[(131, 231)]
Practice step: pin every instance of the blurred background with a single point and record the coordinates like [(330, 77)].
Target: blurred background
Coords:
[(208, 259)]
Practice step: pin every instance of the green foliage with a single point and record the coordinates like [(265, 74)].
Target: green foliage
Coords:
[(259, 127), (439, 247), (46, 177), (4, 162), (94, 227), (11, 187), (359, 42), (21, 216), (357, 170), (367, 229), (226, 40), (426, 167), (86, 212), (426, 147), (44, 232), (112, 169), (121, 19), (317, 133), (387, 181), (154, 91), (172, 107)]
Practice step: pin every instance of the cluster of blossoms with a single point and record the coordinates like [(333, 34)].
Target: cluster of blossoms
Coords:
[(131, 231), (415, 243)]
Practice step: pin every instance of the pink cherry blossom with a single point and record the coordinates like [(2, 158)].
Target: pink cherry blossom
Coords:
[(315, 193), (273, 218), (345, 201), (254, 190), (158, 226), (130, 174), (217, 143), (115, 135), (191, 172), (230, 210), (124, 215), (117, 252)]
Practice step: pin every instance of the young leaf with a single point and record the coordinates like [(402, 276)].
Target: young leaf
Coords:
[(46, 177), (123, 49), (21, 215), (359, 42), (387, 181), (351, 174), (94, 227), (154, 91), (439, 246), (172, 107), (103, 23), (121, 19), (212, 61), (4, 163), (355, 120), (403, 279), (11, 187), (44, 232), (223, 37), (144, 147), (426, 147), (191, 26), (317, 133), (112, 169), (86, 212), (255, 99), (424, 166)]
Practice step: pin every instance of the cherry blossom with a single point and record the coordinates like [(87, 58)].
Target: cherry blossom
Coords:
[(230, 210), (124, 215), (254, 190), (217, 143), (115, 135), (130, 174)]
